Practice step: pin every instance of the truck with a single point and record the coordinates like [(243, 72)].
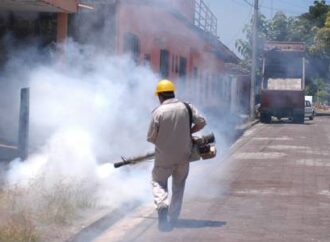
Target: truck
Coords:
[(283, 81)]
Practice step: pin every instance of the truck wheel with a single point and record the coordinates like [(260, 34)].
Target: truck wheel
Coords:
[(268, 118), (311, 117), (265, 118), (299, 118), (262, 118)]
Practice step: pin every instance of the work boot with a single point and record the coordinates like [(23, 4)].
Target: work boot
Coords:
[(163, 224)]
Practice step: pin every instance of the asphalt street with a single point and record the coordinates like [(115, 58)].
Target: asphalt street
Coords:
[(274, 185)]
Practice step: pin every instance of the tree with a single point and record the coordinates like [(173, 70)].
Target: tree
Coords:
[(321, 93), (278, 27), (321, 45), (310, 28), (244, 47), (311, 89), (317, 13), (327, 21)]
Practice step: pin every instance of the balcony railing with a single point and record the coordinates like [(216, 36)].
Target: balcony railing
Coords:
[(204, 18)]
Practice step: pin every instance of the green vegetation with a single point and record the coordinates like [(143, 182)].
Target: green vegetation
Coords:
[(312, 28)]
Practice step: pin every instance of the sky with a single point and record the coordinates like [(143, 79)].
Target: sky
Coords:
[(234, 14)]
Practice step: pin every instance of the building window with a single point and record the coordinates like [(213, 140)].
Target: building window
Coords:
[(207, 85), (164, 63), (223, 87), (173, 63), (177, 64), (215, 85), (201, 88), (147, 59), (132, 45), (182, 67), (195, 73)]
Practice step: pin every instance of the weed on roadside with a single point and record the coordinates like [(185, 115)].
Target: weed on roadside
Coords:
[(30, 213)]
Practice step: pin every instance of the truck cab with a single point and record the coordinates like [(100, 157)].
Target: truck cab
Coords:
[(309, 110)]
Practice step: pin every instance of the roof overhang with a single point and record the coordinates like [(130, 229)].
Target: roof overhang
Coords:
[(66, 6), (235, 69)]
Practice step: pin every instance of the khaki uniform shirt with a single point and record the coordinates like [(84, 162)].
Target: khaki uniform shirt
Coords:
[(169, 130)]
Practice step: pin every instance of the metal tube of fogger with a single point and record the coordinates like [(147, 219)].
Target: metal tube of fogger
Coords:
[(134, 160), (202, 149)]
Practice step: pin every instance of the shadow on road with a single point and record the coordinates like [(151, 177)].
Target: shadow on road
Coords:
[(193, 223), (288, 121)]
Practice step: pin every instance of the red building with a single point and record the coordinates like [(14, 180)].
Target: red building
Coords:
[(177, 38), (57, 8)]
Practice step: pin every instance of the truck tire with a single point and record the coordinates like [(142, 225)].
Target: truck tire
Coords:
[(265, 118), (299, 118)]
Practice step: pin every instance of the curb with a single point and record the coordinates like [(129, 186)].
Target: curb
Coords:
[(92, 230), (252, 123), (322, 114), (247, 125), (237, 144)]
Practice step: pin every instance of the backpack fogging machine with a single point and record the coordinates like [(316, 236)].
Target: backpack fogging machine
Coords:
[(203, 148)]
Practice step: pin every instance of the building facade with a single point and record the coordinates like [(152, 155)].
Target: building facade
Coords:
[(177, 38)]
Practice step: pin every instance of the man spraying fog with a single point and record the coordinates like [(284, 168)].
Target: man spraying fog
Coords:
[(170, 130)]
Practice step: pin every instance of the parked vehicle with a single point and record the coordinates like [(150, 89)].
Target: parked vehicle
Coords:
[(282, 89), (309, 110), (310, 99)]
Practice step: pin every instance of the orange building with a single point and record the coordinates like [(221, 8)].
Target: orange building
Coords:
[(59, 9), (177, 38)]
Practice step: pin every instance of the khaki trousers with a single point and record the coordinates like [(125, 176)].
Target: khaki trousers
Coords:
[(160, 177)]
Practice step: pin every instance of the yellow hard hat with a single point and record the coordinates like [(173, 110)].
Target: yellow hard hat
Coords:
[(164, 86)]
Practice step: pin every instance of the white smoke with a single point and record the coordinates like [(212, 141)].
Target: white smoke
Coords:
[(88, 109)]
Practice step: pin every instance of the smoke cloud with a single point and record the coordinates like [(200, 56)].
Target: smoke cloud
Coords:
[(86, 110)]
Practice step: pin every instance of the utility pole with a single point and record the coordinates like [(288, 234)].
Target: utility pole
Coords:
[(23, 130), (254, 59)]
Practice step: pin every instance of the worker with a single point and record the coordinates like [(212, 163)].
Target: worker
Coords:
[(170, 130)]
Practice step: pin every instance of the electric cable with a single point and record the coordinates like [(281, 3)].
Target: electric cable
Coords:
[(246, 1)]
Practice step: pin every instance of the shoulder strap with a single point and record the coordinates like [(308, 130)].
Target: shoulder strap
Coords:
[(189, 112)]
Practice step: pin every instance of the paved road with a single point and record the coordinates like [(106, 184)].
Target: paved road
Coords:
[(274, 186)]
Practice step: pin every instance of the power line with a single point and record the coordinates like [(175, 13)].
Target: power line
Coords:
[(239, 2), (250, 4)]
